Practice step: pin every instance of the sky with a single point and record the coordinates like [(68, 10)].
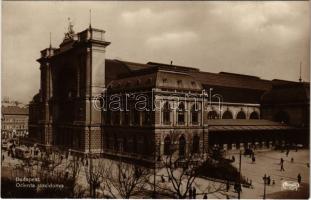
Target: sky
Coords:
[(263, 38)]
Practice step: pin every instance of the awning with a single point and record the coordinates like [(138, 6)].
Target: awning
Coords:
[(246, 125), (248, 128)]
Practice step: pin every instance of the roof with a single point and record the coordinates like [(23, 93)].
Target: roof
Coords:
[(177, 80), (176, 67), (130, 66), (14, 110), (287, 92), (133, 82), (156, 77), (135, 66), (232, 80), (207, 79), (231, 86), (242, 124)]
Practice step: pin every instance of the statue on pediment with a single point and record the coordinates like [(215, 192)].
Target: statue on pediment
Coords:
[(70, 34)]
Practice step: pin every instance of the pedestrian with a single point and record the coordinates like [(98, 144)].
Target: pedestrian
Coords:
[(282, 167), (236, 187), (281, 161), (205, 196), (292, 160), (233, 159), (66, 174), (162, 178), (194, 193), (190, 193), (228, 185), (299, 178), (269, 180)]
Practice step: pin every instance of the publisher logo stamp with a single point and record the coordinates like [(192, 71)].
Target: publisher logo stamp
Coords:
[(290, 185)]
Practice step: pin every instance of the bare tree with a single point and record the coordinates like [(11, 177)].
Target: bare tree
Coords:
[(124, 180), (49, 162), (182, 169), (50, 168), (94, 175), (181, 172), (212, 187), (71, 175)]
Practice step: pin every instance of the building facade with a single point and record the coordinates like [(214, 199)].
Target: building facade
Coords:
[(14, 121), (115, 108)]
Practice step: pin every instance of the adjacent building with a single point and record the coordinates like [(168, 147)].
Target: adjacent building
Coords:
[(14, 120)]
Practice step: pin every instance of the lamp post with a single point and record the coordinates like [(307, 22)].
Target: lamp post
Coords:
[(202, 122), (155, 166), (264, 186), (210, 96), (220, 102), (240, 163)]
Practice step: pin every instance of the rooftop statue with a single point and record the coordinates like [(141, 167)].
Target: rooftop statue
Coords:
[(70, 33)]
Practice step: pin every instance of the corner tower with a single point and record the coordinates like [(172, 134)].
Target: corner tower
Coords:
[(72, 76), (44, 126), (94, 44)]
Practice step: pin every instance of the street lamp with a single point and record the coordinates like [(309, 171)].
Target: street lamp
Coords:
[(210, 96), (155, 166), (264, 185), (220, 102)]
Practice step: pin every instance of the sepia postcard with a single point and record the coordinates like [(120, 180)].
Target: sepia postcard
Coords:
[(155, 99)]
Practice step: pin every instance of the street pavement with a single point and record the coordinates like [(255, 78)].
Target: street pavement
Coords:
[(267, 162)]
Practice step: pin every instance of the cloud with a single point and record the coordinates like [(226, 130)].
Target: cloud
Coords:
[(171, 39), (142, 14), (266, 39)]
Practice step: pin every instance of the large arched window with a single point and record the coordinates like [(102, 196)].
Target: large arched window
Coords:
[(125, 147), (109, 141), (116, 143), (196, 144), (254, 115), (108, 117), (282, 117), (241, 115), (227, 115), (130, 144), (212, 115), (182, 146), (195, 114), (181, 113), (146, 145), (146, 117), (116, 117), (166, 113), (167, 145), (126, 119), (136, 117), (134, 144)]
